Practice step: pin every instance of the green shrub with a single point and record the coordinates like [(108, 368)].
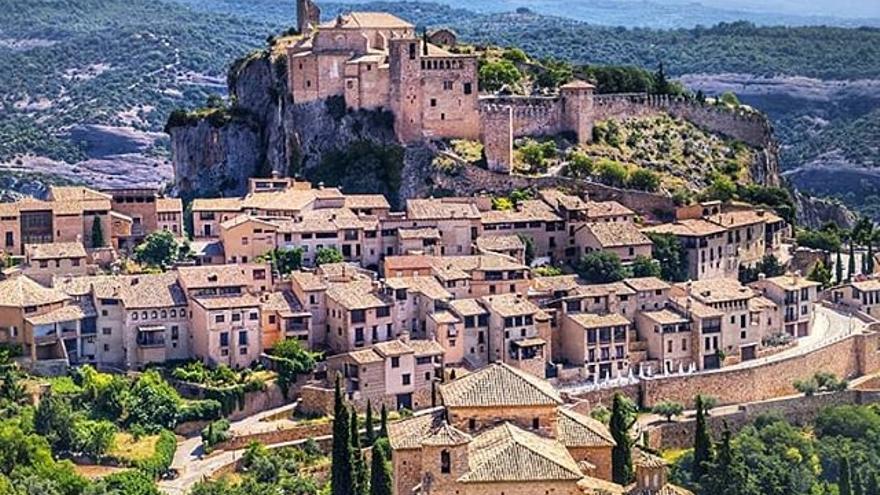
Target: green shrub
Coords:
[(162, 458)]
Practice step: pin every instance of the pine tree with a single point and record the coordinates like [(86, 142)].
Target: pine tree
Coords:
[(370, 435), (852, 261), (838, 269), (360, 476), (380, 469), (383, 423), (97, 233), (621, 454), (702, 442), (341, 482), (844, 477)]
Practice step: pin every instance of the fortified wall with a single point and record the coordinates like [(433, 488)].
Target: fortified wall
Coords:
[(577, 109)]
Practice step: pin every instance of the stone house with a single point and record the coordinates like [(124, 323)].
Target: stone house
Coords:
[(505, 244), (795, 296), (457, 220), (533, 219), (596, 345), (415, 299), (621, 238), (359, 315), (705, 244), (518, 333), (283, 317), (43, 262), (862, 295)]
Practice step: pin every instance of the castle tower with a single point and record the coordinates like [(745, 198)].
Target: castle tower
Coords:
[(405, 58), (308, 15), (496, 132), (577, 109)]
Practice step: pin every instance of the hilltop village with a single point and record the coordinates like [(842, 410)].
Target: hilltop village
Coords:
[(495, 325)]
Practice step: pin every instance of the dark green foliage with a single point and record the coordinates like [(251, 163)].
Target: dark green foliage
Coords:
[(820, 273), (643, 266), (291, 360), (342, 475), (160, 249), (126, 483), (97, 233), (622, 419), (370, 435), (54, 420), (845, 477), (769, 266), (360, 473), (819, 239), (702, 442), (600, 267), (671, 255), (362, 167), (263, 471), (383, 423), (216, 432), (161, 459), (152, 403), (283, 260), (380, 469), (728, 474), (497, 74), (327, 255)]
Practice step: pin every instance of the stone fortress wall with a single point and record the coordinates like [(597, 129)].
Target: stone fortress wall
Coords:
[(547, 116)]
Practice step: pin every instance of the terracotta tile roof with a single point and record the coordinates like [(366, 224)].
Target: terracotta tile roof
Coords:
[(217, 204), (408, 262), (21, 291), (206, 248), (603, 209), (574, 429), (151, 291), (742, 218), (55, 250), (367, 20), (577, 84), (761, 303), (446, 434), (791, 282), (509, 305), (460, 267), (225, 301), (441, 209), (327, 220), (718, 290), (408, 433), (365, 356), (392, 348), (665, 317), (556, 198), (242, 219), (284, 302), (366, 201), (499, 242), (499, 385), (357, 294), (424, 347), (646, 459), (198, 277), (530, 210), (591, 320), (422, 233), (596, 290), (695, 227), (694, 307), (468, 307), (69, 312), (76, 193), (646, 284), (867, 285), (444, 317), (596, 486), (509, 453), (615, 234), (667, 489), (308, 281), (425, 285), (555, 283), (169, 205), (104, 286)]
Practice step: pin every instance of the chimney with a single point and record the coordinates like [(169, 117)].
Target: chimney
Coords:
[(762, 276), (404, 336), (761, 212)]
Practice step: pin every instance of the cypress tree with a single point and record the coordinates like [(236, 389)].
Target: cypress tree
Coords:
[(383, 423), (844, 477), (380, 469), (869, 259), (360, 476), (621, 454), (858, 485), (370, 435), (341, 469), (97, 233), (852, 261), (872, 487), (702, 443), (838, 269)]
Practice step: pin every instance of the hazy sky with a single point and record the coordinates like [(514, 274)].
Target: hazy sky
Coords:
[(837, 8)]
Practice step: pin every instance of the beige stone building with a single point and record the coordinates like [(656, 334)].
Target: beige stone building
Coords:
[(518, 333), (795, 296), (284, 317), (706, 246), (533, 219), (400, 373), (499, 430), (621, 238), (506, 244), (43, 262), (457, 220), (862, 295)]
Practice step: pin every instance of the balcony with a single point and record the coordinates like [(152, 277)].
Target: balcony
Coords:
[(712, 329)]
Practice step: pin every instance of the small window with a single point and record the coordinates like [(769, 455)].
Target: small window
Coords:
[(468, 89), (219, 318), (395, 362), (445, 462)]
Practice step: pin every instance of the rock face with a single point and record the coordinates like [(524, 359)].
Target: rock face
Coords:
[(814, 212), (266, 133)]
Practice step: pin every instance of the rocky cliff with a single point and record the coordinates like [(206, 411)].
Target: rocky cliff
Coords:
[(264, 131)]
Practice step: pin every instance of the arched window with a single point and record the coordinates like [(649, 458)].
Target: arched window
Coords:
[(164, 314), (445, 462)]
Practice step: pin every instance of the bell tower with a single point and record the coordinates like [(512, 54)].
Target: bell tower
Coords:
[(308, 15)]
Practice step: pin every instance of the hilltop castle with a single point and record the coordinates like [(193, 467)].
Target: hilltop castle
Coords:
[(377, 61)]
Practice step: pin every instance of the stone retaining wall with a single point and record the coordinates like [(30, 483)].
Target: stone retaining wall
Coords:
[(284, 435)]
